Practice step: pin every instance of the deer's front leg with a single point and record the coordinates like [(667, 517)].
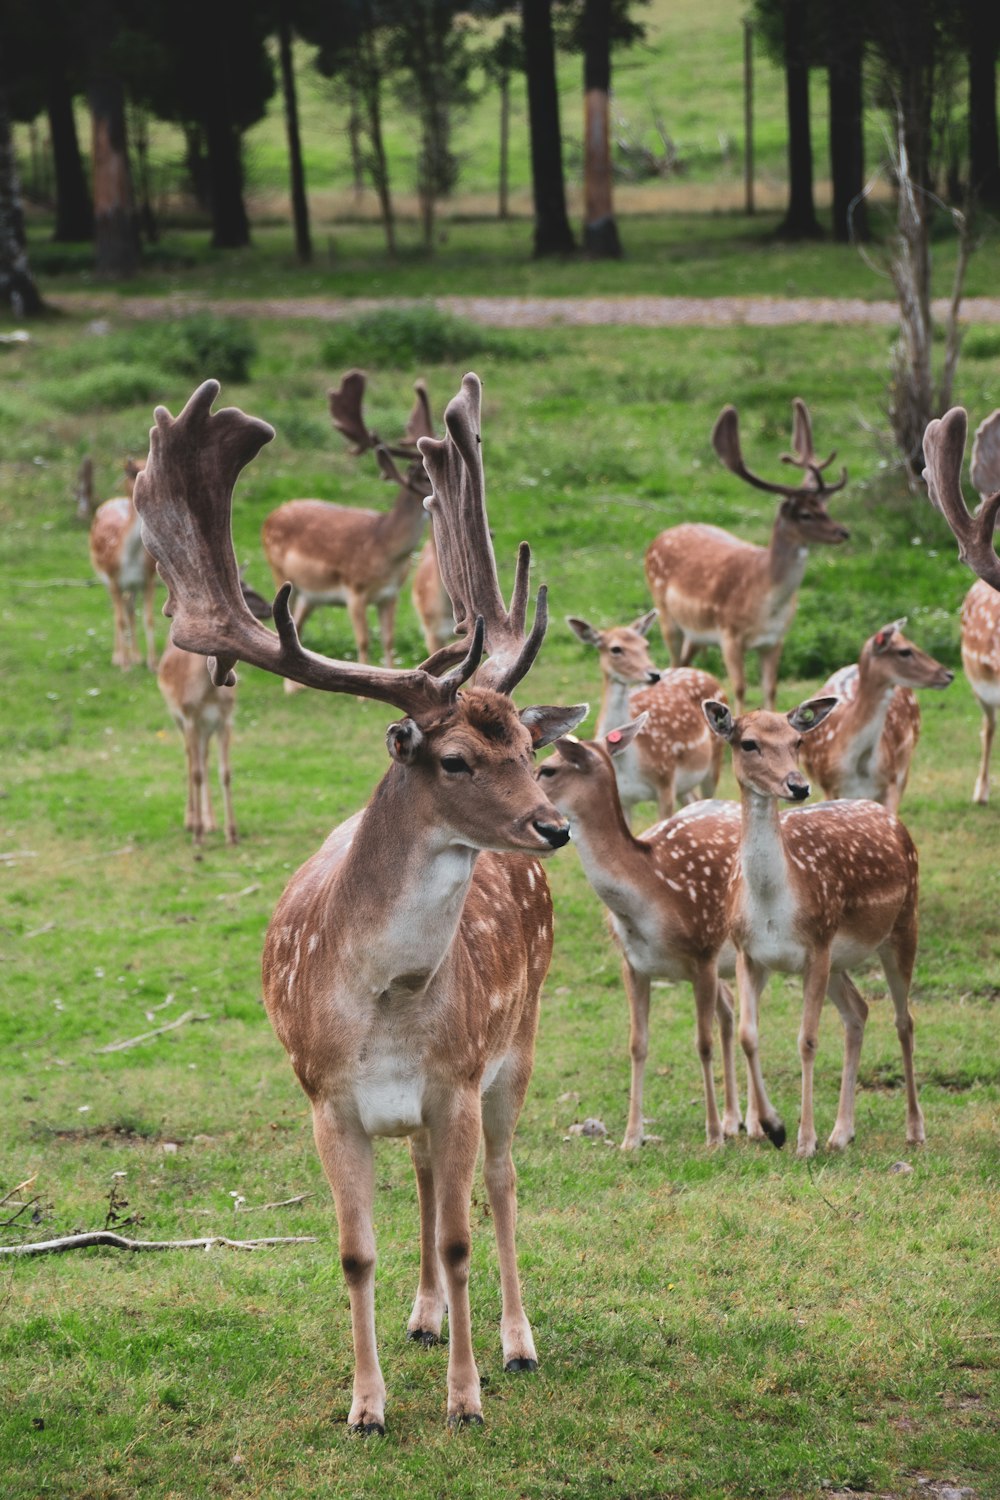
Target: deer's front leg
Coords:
[(815, 980), (424, 1326), (501, 1107), (637, 988), (731, 1120), (981, 794), (454, 1143), (387, 625), (359, 624), (733, 656), (348, 1161), (762, 1117), (854, 1013), (706, 991), (770, 658)]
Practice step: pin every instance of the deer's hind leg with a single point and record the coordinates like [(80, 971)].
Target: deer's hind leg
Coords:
[(897, 955), (854, 1013), (501, 1107), (424, 1326), (981, 794)]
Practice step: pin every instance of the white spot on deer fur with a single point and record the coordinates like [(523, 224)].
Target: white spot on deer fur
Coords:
[(531, 877), (313, 942)]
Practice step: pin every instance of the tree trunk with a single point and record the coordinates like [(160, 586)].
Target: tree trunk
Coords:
[(370, 89), (74, 208), (230, 225), (553, 235), (504, 203), (600, 232), (300, 206), (800, 220), (847, 161), (115, 229), (18, 292), (984, 147)]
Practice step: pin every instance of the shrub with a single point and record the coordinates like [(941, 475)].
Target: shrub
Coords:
[(203, 346), (405, 338), (108, 387)]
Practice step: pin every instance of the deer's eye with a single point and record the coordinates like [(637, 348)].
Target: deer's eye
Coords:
[(749, 745), (546, 770), (616, 650), (454, 765), (904, 651)]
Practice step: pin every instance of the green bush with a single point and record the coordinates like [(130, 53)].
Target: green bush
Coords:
[(405, 338), (108, 387), (982, 343), (205, 347)]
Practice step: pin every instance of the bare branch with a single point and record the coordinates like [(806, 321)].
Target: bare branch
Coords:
[(119, 1242), (133, 1041)]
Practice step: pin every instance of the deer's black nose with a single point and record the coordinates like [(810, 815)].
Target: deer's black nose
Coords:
[(555, 834)]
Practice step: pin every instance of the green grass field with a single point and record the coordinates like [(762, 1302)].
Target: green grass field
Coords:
[(729, 1324)]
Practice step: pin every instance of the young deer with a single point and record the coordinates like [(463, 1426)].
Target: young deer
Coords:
[(710, 588), (665, 893), (815, 893), (674, 755), (200, 709), (981, 607), (340, 554), (403, 965), (865, 747), (124, 566)]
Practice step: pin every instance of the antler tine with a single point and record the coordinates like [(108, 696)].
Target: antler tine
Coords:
[(726, 442), (944, 449), (386, 467), (454, 465), (345, 409), (420, 423), (984, 466), (184, 499)]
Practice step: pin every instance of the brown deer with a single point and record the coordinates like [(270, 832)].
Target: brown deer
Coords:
[(864, 748), (815, 892), (674, 756), (200, 709), (981, 607), (710, 588), (124, 566), (666, 897), (430, 599), (403, 964), (341, 554)]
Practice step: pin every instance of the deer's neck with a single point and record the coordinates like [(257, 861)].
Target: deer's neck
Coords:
[(863, 719), (615, 863), (615, 706), (786, 561), (763, 861), (401, 527)]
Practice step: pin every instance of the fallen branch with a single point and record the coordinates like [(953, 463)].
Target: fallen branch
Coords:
[(119, 1242), (258, 1208), (133, 1041), (27, 1183), (5, 1223)]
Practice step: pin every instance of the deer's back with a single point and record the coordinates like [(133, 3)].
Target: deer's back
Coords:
[(981, 640)]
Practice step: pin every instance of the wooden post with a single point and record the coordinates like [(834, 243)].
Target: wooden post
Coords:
[(748, 114)]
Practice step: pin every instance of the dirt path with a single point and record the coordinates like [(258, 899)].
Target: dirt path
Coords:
[(536, 312)]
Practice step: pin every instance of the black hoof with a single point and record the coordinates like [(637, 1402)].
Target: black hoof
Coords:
[(367, 1429), (517, 1366), (465, 1419), (422, 1336), (776, 1134)]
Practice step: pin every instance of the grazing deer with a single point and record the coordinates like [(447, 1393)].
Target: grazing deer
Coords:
[(403, 965), (666, 897), (673, 755), (710, 588), (200, 709), (945, 449), (124, 566), (340, 554), (815, 893), (864, 748)]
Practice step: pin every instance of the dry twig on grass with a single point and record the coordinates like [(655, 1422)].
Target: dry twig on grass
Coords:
[(119, 1242), (133, 1041)]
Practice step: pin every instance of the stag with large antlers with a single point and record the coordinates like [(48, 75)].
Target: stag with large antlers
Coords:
[(125, 568), (403, 965), (864, 748), (341, 554), (710, 588), (815, 892)]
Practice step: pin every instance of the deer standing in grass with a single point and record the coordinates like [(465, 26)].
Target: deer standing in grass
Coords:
[(864, 748), (403, 965), (815, 892), (125, 568), (200, 708), (710, 588), (674, 755), (341, 554), (666, 897), (944, 448)]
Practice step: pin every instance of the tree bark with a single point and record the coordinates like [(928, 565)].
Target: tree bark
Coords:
[(984, 144), (800, 220), (115, 229), (553, 235), (74, 207), (370, 89), (600, 232), (503, 207), (18, 292), (300, 205), (230, 225), (847, 161)]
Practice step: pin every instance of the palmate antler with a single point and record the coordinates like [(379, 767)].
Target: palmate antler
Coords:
[(726, 442), (184, 498), (465, 550), (944, 450), (346, 402)]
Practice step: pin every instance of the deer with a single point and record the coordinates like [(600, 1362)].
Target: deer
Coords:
[(665, 893), (200, 709), (944, 447), (403, 964), (673, 756), (341, 554), (814, 892), (711, 588), (125, 568), (865, 747), (430, 599)]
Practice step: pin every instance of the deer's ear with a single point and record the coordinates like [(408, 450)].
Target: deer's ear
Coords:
[(616, 741), (644, 622), (547, 724), (573, 751), (403, 740), (583, 630), (811, 714), (720, 720)]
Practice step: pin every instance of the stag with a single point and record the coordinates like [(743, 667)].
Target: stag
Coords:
[(710, 588), (403, 965)]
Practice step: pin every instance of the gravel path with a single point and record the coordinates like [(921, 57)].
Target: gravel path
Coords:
[(537, 312)]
